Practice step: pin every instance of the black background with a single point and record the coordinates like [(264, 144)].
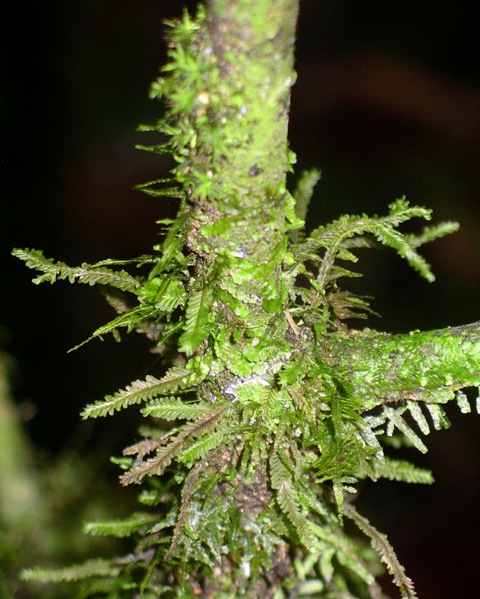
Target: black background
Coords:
[(387, 103)]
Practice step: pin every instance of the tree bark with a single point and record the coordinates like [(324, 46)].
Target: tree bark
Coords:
[(238, 217)]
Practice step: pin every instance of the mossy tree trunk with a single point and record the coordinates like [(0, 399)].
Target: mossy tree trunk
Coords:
[(286, 406), (237, 226), (238, 206)]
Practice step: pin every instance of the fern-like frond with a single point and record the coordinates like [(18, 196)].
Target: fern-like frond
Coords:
[(347, 231), (140, 391), (95, 567), (133, 319), (138, 261), (200, 448), (174, 408), (196, 323), (171, 246), (288, 501), (145, 317), (385, 551), (117, 300), (388, 236), (164, 456), (151, 189), (303, 194), (292, 372), (155, 148), (402, 471), (167, 332), (86, 273), (121, 528), (346, 305), (431, 233), (401, 211), (156, 465), (143, 447), (170, 295), (187, 490)]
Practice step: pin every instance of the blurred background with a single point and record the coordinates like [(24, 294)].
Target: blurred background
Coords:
[(387, 103)]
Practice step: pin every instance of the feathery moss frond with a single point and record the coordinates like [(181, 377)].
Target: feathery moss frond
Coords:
[(200, 448), (131, 320), (432, 233), (303, 194), (121, 528), (332, 237), (382, 546), (175, 408), (94, 567), (206, 423), (150, 188), (287, 498), (86, 273), (402, 471), (140, 391), (186, 493), (196, 322)]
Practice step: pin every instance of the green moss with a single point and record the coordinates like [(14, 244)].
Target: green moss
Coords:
[(280, 407)]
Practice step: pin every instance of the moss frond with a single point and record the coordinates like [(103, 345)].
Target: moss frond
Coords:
[(140, 391), (388, 556), (86, 273)]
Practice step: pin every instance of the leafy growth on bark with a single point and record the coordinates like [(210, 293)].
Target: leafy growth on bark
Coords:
[(273, 408)]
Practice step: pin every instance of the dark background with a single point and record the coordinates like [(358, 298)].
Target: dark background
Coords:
[(387, 103)]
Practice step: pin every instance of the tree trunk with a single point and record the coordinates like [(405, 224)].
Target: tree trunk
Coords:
[(238, 211), (286, 407)]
